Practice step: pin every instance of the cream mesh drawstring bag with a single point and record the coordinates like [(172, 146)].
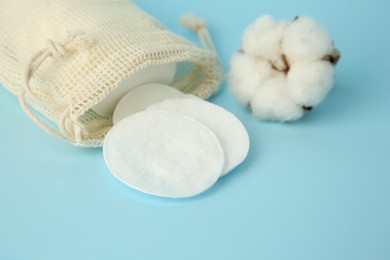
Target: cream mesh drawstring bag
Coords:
[(63, 57)]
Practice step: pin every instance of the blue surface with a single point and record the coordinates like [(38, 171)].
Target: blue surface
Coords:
[(315, 189)]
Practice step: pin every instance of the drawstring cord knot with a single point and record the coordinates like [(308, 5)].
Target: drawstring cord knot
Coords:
[(78, 41)]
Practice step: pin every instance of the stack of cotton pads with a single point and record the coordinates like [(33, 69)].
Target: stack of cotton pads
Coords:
[(170, 144)]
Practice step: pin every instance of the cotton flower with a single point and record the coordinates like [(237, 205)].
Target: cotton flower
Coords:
[(284, 68), (247, 74), (308, 82), (305, 40), (262, 39), (272, 101)]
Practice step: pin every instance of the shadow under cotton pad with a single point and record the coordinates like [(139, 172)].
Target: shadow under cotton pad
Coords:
[(164, 154), (229, 130)]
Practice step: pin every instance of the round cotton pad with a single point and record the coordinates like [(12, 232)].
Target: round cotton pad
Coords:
[(163, 73), (229, 130), (164, 154), (142, 97)]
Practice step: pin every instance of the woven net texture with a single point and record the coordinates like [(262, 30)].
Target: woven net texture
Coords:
[(118, 39)]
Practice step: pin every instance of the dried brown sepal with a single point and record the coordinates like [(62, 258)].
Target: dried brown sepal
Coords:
[(286, 65), (286, 62), (333, 58)]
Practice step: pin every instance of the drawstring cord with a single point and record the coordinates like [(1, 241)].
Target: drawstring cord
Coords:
[(80, 41), (56, 50), (199, 26)]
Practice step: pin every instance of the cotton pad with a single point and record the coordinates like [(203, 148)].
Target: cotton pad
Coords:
[(163, 74), (229, 130), (142, 97), (164, 154)]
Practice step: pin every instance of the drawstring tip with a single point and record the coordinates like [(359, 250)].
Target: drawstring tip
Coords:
[(192, 22), (199, 26)]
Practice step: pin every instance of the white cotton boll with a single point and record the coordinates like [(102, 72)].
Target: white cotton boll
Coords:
[(285, 68), (247, 74), (310, 82), (255, 31), (304, 39), (263, 38), (271, 102), (269, 46)]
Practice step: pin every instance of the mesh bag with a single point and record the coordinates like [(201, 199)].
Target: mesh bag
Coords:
[(63, 57)]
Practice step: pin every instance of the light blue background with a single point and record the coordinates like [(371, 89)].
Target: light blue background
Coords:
[(315, 189)]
